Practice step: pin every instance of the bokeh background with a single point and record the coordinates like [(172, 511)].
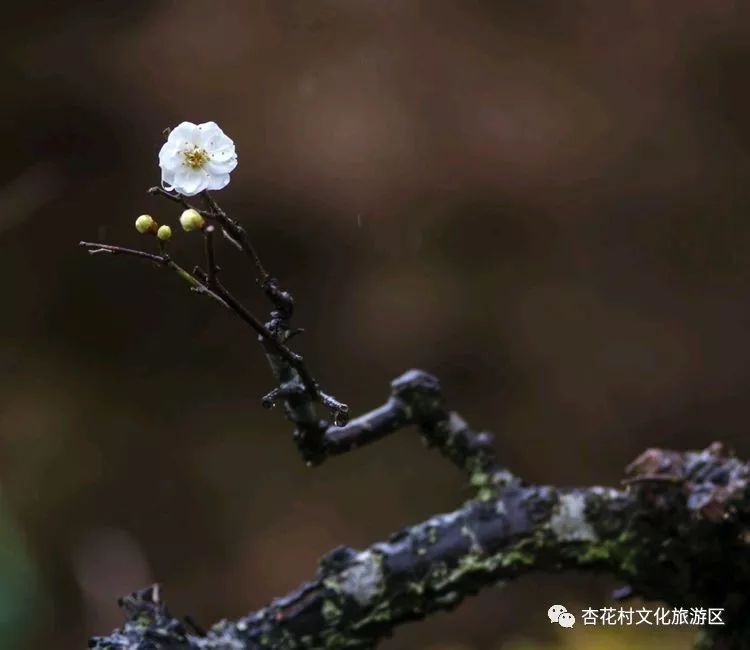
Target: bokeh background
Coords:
[(544, 203)]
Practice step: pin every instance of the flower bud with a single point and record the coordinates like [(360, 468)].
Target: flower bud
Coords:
[(191, 220), (164, 233), (145, 223)]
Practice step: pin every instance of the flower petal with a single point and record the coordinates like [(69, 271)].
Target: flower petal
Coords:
[(190, 182), (210, 136), (222, 146), (220, 167), (167, 179), (221, 143), (169, 156), (218, 181), (184, 134)]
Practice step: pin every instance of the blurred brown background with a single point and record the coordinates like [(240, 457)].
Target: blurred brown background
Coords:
[(544, 203)]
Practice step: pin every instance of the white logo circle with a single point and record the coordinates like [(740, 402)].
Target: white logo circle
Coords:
[(555, 611)]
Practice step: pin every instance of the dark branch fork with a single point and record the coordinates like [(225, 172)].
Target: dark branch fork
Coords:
[(678, 531), (297, 387)]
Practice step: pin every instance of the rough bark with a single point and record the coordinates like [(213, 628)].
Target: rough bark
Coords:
[(678, 531)]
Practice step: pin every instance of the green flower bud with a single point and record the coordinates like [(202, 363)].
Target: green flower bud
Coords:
[(191, 220), (164, 233), (145, 223)]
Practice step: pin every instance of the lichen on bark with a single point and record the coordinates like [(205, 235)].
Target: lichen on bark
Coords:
[(677, 532)]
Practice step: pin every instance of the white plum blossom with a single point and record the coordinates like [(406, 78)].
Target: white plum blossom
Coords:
[(196, 157)]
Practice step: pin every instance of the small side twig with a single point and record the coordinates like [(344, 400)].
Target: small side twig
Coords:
[(96, 248), (208, 235), (288, 367), (176, 198), (237, 234), (297, 386), (219, 293)]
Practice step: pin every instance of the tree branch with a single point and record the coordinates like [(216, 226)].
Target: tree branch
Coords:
[(683, 542), (176, 198), (678, 531), (236, 233), (213, 269), (163, 259), (296, 385)]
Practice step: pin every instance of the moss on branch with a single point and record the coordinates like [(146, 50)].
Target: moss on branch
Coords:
[(677, 533)]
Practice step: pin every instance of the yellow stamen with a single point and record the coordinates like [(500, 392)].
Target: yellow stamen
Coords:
[(195, 158)]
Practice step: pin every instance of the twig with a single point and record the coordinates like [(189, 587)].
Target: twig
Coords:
[(219, 293), (208, 235), (95, 248), (288, 367), (176, 198), (416, 399), (269, 339), (237, 234)]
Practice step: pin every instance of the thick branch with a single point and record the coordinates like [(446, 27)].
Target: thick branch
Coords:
[(416, 399), (681, 541)]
